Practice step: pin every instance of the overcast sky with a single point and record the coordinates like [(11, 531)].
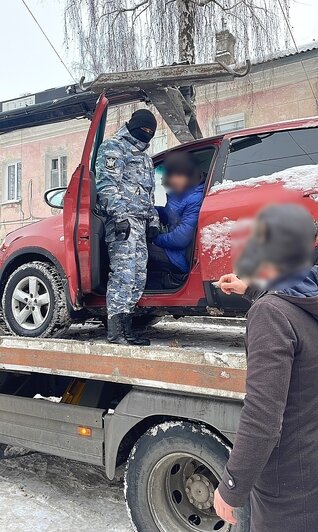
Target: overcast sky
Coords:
[(28, 64)]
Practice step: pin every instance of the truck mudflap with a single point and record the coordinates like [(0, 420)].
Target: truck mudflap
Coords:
[(63, 430), (220, 413)]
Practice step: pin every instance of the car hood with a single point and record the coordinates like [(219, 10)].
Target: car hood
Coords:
[(42, 227)]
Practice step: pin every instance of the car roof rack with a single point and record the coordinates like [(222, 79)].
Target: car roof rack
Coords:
[(168, 88)]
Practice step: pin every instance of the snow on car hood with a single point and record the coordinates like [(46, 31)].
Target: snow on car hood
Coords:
[(296, 178)]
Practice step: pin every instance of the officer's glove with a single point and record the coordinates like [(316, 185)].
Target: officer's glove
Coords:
[(122, 230), (152, 233)]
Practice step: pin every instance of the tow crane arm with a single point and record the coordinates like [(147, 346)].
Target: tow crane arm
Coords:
[(168, 88), (165, 87)]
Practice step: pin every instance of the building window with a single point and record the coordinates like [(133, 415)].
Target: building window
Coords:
[(226, 124), (59, 172), (13, 182)]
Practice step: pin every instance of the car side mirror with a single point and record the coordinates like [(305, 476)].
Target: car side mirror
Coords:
[(55, 197)]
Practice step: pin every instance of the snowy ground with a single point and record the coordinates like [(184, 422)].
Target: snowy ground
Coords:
[(40, 493)]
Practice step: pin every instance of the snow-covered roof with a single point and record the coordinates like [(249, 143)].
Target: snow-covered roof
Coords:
[(289, 53)]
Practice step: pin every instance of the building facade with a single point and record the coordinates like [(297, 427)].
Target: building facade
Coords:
[(33, 160)]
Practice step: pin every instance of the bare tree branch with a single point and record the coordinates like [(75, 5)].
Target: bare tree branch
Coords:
[(118, 35)]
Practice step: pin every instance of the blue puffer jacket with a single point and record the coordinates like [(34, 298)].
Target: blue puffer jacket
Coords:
[(181, 216)]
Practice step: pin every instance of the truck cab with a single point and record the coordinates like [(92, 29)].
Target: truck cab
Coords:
[(55, 271)]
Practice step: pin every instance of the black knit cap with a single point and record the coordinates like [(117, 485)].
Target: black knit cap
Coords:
[(143, 118), (284, 235)]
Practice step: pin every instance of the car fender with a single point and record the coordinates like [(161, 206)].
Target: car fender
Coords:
[(222, 414), (29, 251)]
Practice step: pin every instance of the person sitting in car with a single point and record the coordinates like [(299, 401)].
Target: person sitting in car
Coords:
[(179, 217)]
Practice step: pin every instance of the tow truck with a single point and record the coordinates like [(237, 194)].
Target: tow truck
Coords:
[(169, 411)]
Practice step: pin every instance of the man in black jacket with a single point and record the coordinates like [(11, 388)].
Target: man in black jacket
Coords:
[(275, 454)]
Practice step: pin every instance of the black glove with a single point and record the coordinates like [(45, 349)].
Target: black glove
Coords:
[(152, 233), (122, 230)]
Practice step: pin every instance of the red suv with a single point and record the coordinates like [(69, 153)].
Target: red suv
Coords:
[(55, 271)]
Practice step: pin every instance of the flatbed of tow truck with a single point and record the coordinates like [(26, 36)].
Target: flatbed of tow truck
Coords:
[(190, 369), (110, 398)]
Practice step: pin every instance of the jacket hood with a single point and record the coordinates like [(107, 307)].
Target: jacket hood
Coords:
[(123, 133), (301, 289)]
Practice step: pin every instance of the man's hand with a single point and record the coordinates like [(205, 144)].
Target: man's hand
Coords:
[(230, 284), (223, 510)]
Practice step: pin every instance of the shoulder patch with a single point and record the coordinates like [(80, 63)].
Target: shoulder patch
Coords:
[(110, 162)]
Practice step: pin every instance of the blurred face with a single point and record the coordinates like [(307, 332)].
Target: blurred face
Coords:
[(178, 183), (267, 272)]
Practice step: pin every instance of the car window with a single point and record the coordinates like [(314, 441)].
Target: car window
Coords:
[(160, 191), (259, 155), (203, 158)]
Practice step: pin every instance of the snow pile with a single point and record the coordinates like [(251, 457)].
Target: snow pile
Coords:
[(51, 398), (296, 178), (219, 236)]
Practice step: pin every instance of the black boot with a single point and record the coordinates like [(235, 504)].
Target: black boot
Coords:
[(131, 337), (115, 332)]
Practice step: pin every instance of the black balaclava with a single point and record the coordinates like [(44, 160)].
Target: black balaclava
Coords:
[(142, 119), (284, 235)]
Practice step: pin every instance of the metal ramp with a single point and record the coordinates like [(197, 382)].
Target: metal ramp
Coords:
[(168, 88)]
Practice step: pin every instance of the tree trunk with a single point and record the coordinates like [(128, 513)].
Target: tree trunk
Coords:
[(186, 10)]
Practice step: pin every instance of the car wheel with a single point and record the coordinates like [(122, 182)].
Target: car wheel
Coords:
[(34, 302), (171, 476)]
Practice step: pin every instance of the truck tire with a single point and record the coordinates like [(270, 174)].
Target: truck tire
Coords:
[(34, 302), (171, 476)]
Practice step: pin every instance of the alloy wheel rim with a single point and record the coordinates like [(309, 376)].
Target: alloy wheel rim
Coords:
[(30, 303), (180, 495)]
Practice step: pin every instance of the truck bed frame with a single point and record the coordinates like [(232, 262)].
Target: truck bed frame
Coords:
[(127, 390)]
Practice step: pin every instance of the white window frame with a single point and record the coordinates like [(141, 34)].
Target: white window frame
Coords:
[(17, 196), (230, 123), (59, 170)]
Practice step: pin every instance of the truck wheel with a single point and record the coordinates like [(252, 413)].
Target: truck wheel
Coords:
[(34, 302), (171, 476)]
